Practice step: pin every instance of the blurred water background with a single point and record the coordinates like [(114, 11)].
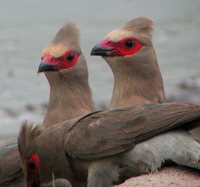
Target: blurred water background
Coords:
[(26, 26)]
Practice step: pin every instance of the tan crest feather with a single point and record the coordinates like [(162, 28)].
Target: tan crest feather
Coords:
[(26, 139), (140, 24), (67, 37)]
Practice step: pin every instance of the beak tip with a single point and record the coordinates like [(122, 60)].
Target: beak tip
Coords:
[(95, 50), (40, 68), (102, 51), (92, 53), (39, 71), (43, 67)]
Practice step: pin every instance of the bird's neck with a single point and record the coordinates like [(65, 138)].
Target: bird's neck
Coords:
[(70, 97), (136, 83)]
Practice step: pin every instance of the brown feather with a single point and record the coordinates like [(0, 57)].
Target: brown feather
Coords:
[(137, 77), (10, 172), (26, 139), (76, 146), (140, 24), (66, 38), (109, 133), (70, 94), (70, 97), (68, 35)]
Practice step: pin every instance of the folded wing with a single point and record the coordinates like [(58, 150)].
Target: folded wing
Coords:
[(108, 133)]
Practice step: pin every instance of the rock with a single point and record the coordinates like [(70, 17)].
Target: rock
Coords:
[(167, 177)]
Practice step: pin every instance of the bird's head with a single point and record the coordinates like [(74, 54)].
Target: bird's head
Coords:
[(29, 157), (40, 157), (130, 42), (63, 54)]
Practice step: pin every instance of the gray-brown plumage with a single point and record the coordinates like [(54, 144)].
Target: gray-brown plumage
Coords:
[(10, 169), (130, 54), (70, 95), (92, 149), (137, 78)]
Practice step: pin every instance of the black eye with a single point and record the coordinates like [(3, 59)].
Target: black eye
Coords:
[(70, 57), (129, 43), (31, 165)]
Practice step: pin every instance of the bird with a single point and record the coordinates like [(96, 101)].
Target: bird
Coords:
[(129, 52), (90, 151), (131, 56), (65, 68)]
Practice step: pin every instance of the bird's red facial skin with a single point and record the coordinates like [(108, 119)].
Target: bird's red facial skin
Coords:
[(65, 61), (33, 168), (126, 46)]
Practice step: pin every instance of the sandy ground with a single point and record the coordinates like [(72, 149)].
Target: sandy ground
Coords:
[(167, 177)]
